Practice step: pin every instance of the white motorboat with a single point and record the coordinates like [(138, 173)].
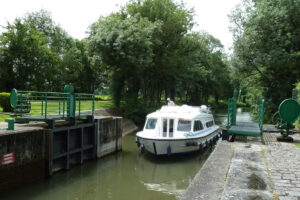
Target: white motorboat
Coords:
[(178, 129)]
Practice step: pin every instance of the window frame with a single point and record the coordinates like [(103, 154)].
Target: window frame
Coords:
[(186, 121), (201, 125), (154, 126)]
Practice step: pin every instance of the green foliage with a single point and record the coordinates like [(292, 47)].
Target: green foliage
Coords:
[(143, 54), (102, 98), (137, 112), (36, 54), (4, 102), (150, 52), (266, 49)]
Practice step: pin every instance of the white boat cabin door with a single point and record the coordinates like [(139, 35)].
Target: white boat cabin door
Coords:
[(168, 127)]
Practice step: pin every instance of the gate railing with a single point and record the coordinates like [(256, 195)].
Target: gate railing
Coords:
[(40, 106)]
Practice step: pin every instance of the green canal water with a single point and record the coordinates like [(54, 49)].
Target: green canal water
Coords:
[(127, 175)]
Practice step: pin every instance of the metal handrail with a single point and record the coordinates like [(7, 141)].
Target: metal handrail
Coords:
[(60, 105)]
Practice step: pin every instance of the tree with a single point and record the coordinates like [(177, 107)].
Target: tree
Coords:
[(27, 62), (176, 21), (267, 46), (125, 44)]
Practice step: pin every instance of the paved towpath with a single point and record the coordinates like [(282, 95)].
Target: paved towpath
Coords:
[(284, 165), (250, 169)]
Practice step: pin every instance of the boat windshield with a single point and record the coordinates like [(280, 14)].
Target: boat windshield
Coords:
[(151, 123), (184, 125)]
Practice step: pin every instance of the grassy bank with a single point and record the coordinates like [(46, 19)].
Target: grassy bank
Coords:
[(52, 108)]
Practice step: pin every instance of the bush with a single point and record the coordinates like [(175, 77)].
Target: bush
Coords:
[(137, 112), (103, 98), (4, 102)]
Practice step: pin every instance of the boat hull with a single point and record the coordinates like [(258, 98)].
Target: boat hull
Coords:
[(176, 146)]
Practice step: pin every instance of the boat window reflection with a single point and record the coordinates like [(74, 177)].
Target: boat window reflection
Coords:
[(198, 125), (165, 126), (151, 123), (184, 125), (171, 124), (209, 124)]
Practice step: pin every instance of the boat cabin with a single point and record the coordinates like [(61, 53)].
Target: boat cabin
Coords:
[(178, 121)]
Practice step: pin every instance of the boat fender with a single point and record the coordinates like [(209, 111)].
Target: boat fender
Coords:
[(191, 144), (201, 147), (169, 150), (214, 140), (137, 142), (143, 149), (211, 142)]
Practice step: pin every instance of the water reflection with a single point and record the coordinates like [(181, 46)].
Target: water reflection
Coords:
[(242, 115)]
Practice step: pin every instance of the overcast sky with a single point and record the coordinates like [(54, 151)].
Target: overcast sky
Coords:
[(75, 16)]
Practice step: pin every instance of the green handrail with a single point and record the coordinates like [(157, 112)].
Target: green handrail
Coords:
[(41, 106), (261, 113)]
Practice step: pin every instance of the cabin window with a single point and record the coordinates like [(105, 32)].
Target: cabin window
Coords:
[(184, 125), (198, 125), (209, 124), (151, 123), (165, 127), (171, 124)]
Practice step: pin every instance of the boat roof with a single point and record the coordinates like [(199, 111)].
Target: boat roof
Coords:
[(183, 112)]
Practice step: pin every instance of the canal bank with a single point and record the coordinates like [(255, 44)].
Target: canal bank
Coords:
[(249, 168)]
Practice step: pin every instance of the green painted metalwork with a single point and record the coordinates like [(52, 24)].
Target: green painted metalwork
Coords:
[(289, 110), (235, 95), (243, 128), (261, 113), (230, 113), (11, 124), (42, 106)]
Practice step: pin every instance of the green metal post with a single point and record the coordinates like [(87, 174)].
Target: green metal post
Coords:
[(261, 113), (64, 106), (233, 111), (235, 94), (93, 105), (229, 113), (72, 105), (11, 124), (46, 102), (59, 105), (79, 105), (42, 106)]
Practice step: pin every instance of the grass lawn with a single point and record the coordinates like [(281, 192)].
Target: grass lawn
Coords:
[(53, 107), (298, 145)]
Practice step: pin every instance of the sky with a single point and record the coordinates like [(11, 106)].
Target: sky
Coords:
[(75, 16)]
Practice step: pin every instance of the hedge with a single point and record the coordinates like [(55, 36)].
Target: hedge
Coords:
[(4, 102)]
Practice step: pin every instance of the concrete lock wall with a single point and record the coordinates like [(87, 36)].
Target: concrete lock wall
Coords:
[(29, 145), (22, 157), (109, 135)]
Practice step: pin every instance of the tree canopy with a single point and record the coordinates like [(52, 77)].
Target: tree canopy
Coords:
[(267, 47), (151, 51)]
